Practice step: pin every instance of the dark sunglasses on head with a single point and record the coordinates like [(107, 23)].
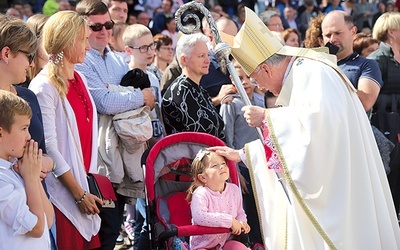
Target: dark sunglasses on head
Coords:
[(30, 56), (99, 26)]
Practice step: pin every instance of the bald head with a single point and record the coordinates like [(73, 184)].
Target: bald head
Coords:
[(227, 25), (338, 28), (341, 16)]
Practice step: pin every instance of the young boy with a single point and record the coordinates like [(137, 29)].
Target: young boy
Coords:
[(140, 45), (25, 212), (237, 134)]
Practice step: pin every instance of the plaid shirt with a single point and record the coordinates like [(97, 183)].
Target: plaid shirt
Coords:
[(101, 70)]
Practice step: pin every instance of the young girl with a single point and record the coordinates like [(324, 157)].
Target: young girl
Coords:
[(215, 203)]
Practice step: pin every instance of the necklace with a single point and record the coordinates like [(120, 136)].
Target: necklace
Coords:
[(81, 95)]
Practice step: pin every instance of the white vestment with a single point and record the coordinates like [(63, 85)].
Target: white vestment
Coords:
[(332, 169)]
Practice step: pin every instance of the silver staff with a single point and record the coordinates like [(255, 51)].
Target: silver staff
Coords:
[(222, 51)]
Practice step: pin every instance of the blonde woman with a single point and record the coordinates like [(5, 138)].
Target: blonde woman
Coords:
[(70, 123), (387, 31)]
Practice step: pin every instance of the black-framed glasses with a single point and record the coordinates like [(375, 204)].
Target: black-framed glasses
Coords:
[(99, 26), (144, 48), (30, 56), (167, 48)]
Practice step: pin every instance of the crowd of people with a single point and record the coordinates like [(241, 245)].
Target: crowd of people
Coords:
[(70, 68)]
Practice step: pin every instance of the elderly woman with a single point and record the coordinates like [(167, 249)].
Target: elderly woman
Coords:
[(186, 105), (70, 123), (387, 31)]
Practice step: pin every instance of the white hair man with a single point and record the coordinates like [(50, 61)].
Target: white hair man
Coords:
[(320, 142)]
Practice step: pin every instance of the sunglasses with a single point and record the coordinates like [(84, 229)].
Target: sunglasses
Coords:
[(99, 26), (30, 56)]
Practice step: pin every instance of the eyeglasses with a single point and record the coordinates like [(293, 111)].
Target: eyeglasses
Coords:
[(144, 48), (276, 25), (30, 56), (99, 26), (167, 48)]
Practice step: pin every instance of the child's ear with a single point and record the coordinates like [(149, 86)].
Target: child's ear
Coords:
[(127, 50), (201, 178)]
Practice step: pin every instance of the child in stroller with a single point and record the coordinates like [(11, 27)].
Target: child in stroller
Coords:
[(167, 179), (215, 203)]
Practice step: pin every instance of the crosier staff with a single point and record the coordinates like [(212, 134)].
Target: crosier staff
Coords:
[(222, 51)]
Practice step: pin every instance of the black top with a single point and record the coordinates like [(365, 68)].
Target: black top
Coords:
[(389, 67), (36, 128), (187, 106)]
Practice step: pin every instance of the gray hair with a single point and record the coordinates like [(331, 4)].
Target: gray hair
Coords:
[(186, 44), (266, 16), (275, 60)]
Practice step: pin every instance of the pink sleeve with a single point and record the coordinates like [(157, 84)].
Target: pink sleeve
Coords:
[(241, 215), (202, 216)]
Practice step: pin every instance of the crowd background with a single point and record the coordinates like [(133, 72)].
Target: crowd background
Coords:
[(294, 22)]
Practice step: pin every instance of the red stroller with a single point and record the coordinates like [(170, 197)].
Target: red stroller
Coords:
[(167, 178)]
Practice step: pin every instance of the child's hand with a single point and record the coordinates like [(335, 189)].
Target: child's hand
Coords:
[(236, 227), (31, 163), (245, 227)]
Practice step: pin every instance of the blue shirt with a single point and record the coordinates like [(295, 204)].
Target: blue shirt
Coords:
[(101, 70), (356, 67)]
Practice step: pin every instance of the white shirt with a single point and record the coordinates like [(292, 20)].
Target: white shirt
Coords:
[(15, 218)]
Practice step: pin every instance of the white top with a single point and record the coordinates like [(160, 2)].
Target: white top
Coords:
[(61, 146), (332, 168), (15, 218)]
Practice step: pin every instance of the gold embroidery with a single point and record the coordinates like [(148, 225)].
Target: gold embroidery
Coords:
[(293, 187)]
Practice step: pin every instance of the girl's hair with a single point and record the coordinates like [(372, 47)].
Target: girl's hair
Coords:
[(161, 40), (36, 23), (118, 31), (199, 164), (362, 41), (16, 35), (287, 32), (59, 35), (314, 32)]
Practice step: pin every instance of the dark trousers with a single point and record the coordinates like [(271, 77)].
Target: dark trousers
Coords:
[(110, 226), (141, 238)]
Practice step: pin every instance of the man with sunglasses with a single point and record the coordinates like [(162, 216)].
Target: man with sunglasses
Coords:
[(103, 68)]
